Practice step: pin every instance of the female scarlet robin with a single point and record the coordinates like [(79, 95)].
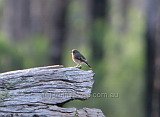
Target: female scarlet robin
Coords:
[(78, 58)]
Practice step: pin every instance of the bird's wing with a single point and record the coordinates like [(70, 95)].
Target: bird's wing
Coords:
[(82, 58)]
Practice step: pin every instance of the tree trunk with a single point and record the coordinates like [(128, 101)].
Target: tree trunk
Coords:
[(153, 54), (58, 34), (17, 17), (98, 17)]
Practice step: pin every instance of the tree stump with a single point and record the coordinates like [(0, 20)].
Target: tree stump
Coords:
[(42, 91)]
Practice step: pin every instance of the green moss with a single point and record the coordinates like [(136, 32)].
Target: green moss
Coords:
[(4, 95)]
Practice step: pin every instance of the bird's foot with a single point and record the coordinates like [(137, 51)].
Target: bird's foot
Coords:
[(78, 66)]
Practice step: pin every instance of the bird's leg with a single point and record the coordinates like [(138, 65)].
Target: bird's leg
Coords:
[(78, 66)]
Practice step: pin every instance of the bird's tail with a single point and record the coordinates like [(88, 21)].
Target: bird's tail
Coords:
[(88, 64)]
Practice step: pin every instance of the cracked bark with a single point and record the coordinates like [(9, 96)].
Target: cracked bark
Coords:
[(42, 91)]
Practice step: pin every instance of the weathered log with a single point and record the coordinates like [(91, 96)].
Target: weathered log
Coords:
[(41, 91)]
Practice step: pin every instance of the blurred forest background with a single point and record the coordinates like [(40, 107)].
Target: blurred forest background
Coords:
[(120, 38)]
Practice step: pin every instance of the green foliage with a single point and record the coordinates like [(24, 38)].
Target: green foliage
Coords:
[(9, 58), (34, 52), (31, 53), (125, 68)]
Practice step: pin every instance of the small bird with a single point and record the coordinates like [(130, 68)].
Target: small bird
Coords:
[(78, 58)]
